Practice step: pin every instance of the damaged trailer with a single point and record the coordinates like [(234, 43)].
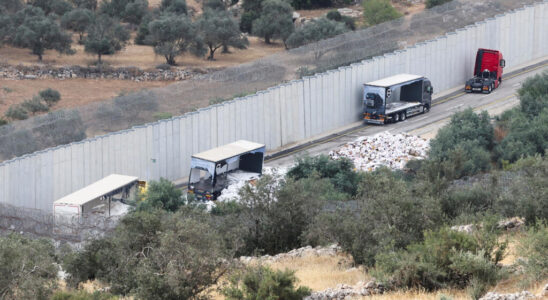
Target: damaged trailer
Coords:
[(209, 169)]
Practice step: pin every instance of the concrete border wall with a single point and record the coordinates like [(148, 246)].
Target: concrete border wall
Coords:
[(277, 117)]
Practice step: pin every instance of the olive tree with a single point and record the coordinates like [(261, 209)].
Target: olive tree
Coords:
[(39, 33), (78, 21), (105, 36), (275, 21), (172, 35), (219, 29), (314, 31)]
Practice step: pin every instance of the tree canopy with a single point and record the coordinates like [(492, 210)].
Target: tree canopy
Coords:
[(35, 31), (78, 21), (172, 35), (105, 36), (314, 31), (275, 21), (219, 29)]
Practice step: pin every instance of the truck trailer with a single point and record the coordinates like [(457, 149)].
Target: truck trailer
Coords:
[(487, 72), (209, 170), (395, 98)]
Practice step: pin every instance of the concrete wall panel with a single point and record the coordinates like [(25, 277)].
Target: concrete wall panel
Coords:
[(277, 117)]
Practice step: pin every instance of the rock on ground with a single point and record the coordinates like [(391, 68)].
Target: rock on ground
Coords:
[(384, 149), (344, 291), (516, 296)]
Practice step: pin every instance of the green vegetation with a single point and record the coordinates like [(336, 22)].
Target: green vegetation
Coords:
[(336, 16), (220, 29), (78, 21), (275, 21), (310, 4), (28, 268), (33, 30), (432, 3), (162, 115), (173, 35), (378, 11), (105, 36), (16, 112), (162, 195), (314, 31), (264, 283), (82, 295), (50, 96), (34, 105), (534, 247)]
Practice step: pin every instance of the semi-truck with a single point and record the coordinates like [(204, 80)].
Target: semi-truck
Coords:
[(395, 98), (487, 72), (209, 170)]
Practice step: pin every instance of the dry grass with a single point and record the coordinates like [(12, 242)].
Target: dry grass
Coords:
[(322, 272), (140, 56), (74, 92)]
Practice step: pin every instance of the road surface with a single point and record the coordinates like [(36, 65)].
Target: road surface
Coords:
[(425, 125)]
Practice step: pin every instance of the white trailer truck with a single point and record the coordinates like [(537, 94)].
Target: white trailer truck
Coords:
[(395, 98)]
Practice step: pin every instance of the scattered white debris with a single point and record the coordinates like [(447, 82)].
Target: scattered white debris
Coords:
[(384, 149), (239, 179), (236, 180), (118, 208)]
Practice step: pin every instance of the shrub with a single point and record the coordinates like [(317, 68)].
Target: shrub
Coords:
[(446, 258), (51, 96), (275, 214), (462, 201), (464, 145), (526, 136), (387, 213), (157, 255), (534, 249), (533, 94), (432, 3), (82, 295), (34, 105), (3, 121), (16, 112), (314, 31), (340, 172), (336, 16), (162, 195), (378, 11), (531, 187), (264, 283), (28, 268)]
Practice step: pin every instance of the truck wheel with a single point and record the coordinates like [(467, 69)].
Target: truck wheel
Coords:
[(403, 116), (396, 118), (426, 108)]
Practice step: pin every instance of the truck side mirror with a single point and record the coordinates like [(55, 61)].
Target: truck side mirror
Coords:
[(502, 63), (429, 89)]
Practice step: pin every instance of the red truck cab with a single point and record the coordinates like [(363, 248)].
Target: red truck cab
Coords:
[(487, 71)]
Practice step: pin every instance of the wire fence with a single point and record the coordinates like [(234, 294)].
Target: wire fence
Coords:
[(123, 112), (39, 223)]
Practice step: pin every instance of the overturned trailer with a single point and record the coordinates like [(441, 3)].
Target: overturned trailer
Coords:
[(209, 169)]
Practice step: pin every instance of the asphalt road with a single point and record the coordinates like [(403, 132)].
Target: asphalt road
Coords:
[(425, 125)]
